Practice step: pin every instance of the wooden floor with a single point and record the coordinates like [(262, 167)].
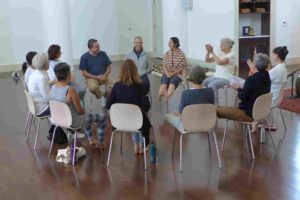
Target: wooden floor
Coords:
[(28, 174)]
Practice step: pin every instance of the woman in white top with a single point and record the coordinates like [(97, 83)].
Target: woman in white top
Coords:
[(54, 54), (278, 73), (38, 85), (224, 68), (27, 67)]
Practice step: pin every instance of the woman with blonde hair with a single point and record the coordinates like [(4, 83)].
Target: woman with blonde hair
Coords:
[(129, 89)]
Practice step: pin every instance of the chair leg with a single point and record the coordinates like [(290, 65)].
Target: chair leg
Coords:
[(121, 147), (167, 106), (27, 135), (181, 136), (208, 139), (74, 148), (217, 149), (250, 138), (224, 134), (225, 90), (145, 159), (52, 140), (37, 133), (173, 144), (276, 123), (283, 121), (271, 134), (109, 153), (26, 125)]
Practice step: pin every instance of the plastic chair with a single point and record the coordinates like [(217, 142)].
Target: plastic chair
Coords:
[(62, 117), (261, 109), (126, 118), (197, 118), (33, 115)]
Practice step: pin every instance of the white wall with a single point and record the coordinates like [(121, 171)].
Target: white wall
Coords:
[(205, 23), (108, 21), (289, 11)]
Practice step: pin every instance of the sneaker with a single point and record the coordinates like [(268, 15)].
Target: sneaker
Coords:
[(270, 127)]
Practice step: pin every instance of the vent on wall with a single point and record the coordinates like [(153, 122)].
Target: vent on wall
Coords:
[(187, 4)]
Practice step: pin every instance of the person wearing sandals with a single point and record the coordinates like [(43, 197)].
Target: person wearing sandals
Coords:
[(174, 66), (129, 89), (224, 68), (197, 94)]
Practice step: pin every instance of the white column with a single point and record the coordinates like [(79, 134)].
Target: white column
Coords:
[(57, 27)]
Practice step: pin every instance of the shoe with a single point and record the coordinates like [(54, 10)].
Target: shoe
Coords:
[(64, 156), (271, 127)]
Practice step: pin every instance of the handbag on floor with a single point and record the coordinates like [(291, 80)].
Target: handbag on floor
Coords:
[(60, 135)]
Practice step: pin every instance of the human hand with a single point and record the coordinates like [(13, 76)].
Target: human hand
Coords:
[(235, 85), (208, 48), (101, 78)]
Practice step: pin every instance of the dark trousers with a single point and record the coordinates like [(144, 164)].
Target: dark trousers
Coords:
[(146, 83)]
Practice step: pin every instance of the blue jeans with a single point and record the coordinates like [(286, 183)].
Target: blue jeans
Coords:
[(137, 138), (100, 121)]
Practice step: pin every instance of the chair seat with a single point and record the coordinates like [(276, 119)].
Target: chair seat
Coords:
[(129, 131)]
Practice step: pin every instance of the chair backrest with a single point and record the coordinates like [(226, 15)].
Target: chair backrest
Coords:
[(30, 103), (126, 117), (60, 113), (262, 107), (199, 117)]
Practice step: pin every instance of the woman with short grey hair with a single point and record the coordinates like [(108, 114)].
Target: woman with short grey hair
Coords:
[(224, 66), (38, 84), (255, 86)]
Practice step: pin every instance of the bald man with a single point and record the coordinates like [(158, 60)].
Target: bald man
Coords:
[(141, 59)]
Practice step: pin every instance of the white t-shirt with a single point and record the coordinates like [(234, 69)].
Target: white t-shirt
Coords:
[(225, 71), (50, 71), (29, 70), (38, 88), (278, 75)]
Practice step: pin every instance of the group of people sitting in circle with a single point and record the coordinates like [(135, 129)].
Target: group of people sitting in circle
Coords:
[(47, 78)]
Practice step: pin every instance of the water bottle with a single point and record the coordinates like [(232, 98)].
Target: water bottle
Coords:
[(152, 152)]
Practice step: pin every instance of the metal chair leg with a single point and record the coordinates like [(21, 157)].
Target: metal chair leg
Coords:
[(26, 125), (121, 147), (52, 140), (269, 129), (27, 135), (250, 138), (74, 148), (181, 135), (173, 144), (208, 140), (217, 149), (109, 153), (37, 133), (224, 134), (285, 129), (225, 90), (145, 159)]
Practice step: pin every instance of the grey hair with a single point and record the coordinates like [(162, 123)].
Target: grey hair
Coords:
[(138, 37), (228, 41), (262, 61), (40, 60)]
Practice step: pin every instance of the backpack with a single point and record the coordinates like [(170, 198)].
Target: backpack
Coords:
[(60, 135)]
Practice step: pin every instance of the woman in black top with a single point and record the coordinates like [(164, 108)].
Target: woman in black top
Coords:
[(129, 89), (256, 85)]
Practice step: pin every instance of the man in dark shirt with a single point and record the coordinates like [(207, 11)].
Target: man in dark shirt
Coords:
[(255, 86), (96, 67)]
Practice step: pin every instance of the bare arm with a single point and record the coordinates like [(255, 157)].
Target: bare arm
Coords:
[(108, 70), (219, 61), (87, 75), (73, 97), (209, 59)]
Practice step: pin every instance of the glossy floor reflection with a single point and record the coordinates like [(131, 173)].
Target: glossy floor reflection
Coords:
[(26, 174)]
